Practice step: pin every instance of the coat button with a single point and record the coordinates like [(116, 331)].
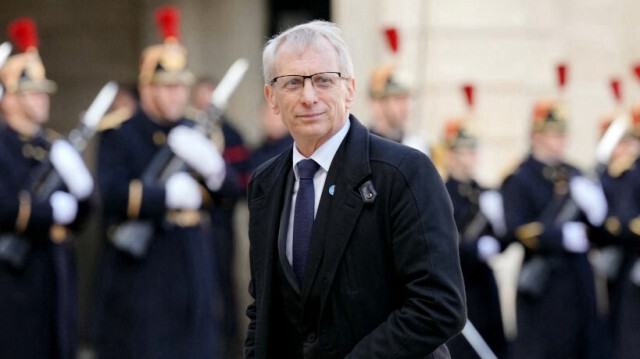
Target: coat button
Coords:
[(311, 337)]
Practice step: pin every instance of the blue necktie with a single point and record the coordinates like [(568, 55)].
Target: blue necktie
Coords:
[(303, 216)]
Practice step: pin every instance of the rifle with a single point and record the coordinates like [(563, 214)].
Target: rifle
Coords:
[(477, 342), (14, 247), (5, 51), (570, 210), (134, 236), (563, 208), (480, 223)]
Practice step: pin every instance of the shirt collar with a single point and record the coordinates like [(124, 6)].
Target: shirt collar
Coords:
[(325, 153)]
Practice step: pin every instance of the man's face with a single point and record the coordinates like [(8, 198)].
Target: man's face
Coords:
[(312, 115), (201, 96), (552, 144), (164, 102), (35, 106), (396, 111), (464, 161)]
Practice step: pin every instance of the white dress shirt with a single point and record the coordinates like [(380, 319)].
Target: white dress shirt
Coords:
[(323, 156)]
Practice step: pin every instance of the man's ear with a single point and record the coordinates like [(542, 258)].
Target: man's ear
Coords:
[(351, 92), (269, 95)]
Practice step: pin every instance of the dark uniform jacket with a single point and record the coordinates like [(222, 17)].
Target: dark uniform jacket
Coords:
[(38, 301), (382, 277), (236, 156), (558, 318), (483, 301), (623, 229), (162, 305)]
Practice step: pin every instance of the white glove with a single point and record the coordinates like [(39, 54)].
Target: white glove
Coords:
[(64, 207), (589, 196), (200, 153), (488, 247), (574, 237), (490, 203), (70, 166), (182, 192)]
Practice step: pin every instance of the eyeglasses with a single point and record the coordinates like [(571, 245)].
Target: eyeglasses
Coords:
[(320, 81)]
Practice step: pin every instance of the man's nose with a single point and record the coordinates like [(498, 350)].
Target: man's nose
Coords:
[(308, 94)]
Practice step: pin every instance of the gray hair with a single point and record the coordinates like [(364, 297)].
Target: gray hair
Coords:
[(299, 37)]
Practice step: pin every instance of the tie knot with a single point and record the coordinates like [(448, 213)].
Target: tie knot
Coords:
[(307, 169)]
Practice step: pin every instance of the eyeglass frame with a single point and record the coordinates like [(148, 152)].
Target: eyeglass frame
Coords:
[(310, 77)]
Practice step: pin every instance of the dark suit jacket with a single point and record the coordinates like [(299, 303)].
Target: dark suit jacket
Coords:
[(382, 278)]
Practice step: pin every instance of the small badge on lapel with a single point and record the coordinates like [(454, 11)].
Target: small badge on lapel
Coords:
[(332, 189)]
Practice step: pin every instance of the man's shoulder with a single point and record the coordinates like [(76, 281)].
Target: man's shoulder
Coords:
[(391, 152), (268, 167), (121, 121)]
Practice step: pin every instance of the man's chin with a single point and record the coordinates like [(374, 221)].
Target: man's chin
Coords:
[(172, 118), (41, 121)]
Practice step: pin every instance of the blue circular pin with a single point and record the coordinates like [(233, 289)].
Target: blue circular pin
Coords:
[(332, 189)]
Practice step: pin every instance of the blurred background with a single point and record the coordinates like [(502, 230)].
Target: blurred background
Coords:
[(508, 50)]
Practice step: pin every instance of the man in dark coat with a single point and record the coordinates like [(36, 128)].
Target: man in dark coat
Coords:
[(158, 303), (479, 219), (38, 293), (556, 304), (376, 273)]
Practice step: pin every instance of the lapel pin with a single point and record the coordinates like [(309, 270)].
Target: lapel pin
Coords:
[(332, 189)]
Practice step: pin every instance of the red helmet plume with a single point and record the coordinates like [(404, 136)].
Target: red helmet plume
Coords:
[(168, 21), (468, 93), (562, 75), (636, 70), (391, 33), (617, 90), (24, 34)]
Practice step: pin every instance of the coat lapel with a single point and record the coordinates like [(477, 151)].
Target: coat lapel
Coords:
[(282, 235), (267, 200), (338, 213)]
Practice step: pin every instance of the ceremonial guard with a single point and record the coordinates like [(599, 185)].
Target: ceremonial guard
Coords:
[(390, 98), (37, 278), (157, 291), (622, 186), (223, 206), (477, 212), (556, 304)]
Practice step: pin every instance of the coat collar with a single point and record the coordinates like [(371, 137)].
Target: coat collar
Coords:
[(272, 175)]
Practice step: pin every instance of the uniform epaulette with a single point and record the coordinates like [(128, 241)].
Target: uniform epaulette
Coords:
[(114, 119), (51, 135)]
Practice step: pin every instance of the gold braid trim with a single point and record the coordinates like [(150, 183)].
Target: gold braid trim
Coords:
[(634, 225), (527, 234), (58, 233), (612, 225), (135, 199), (24, 211)]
